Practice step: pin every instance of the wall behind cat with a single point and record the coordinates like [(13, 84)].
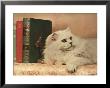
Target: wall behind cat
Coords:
[(81, 24)]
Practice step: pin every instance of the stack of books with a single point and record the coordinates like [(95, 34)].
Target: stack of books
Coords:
[(31, 34)]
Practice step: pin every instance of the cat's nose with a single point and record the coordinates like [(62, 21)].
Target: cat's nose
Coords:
[(71, 43)]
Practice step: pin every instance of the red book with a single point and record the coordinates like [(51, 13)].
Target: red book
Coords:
[(19, 41)]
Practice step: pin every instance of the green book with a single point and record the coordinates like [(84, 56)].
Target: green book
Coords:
[(14, 43), (35, 32)]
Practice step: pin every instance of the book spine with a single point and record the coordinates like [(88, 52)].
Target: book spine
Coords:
[(19, 41), (14, 43), (26, 40)]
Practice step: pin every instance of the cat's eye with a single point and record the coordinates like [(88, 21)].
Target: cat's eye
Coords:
[(64, 40), (70, 38)]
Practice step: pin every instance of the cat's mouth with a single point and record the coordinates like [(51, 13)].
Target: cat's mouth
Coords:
[(68, 49)]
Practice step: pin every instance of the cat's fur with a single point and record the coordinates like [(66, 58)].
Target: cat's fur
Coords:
[(63, 47)]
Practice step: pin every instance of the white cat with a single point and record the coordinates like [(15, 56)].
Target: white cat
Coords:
[(63, 47)]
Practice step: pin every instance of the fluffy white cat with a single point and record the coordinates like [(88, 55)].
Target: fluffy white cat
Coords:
[(63, 47)]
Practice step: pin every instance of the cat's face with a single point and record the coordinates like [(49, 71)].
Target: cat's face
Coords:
[(61, 40), (64, 42)]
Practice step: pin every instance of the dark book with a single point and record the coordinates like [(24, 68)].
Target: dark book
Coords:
[(35, 32), (19, 41)]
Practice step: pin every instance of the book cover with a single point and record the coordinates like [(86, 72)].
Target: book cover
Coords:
[(19, 41), (35, 32)]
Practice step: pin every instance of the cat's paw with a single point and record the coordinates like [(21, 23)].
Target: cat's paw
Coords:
[(71, 68)]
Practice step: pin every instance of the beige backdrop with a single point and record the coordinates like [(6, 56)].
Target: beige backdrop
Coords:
[(82, 24)]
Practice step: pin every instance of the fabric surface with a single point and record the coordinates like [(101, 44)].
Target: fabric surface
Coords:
[(44, 69)]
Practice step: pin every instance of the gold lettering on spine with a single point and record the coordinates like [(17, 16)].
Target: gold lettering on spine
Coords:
[(26, 40)]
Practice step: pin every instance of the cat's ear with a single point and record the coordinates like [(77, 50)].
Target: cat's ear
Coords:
[(54, 37), (68, 29)]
